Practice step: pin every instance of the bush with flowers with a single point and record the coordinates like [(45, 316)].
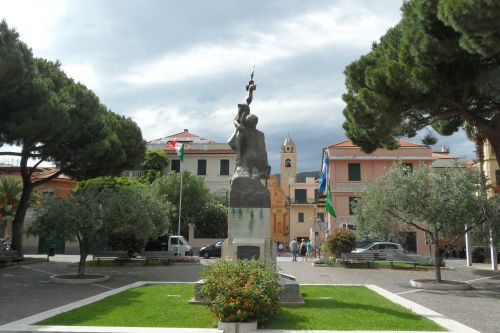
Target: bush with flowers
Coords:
[(241, 290)]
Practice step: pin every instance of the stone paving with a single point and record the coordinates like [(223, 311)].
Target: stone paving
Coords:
[(25, 290)]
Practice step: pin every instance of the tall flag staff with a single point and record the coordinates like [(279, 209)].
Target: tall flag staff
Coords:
[(179, 149)]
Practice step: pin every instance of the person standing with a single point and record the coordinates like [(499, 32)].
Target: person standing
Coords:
[(308, 249), (280, 249), (294, 248), (303, 249)]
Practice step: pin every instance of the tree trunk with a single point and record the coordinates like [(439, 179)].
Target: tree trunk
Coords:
[(83, 258), (479, 142), (437, 257), (18, 222)]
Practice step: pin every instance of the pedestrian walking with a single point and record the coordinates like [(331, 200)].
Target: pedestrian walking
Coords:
[(294, 247), (303, 249), (308, 249)]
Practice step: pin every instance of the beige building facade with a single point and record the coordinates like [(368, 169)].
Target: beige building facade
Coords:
[(213, 161)]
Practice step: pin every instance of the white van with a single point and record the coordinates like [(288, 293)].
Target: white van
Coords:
[(171, 243)]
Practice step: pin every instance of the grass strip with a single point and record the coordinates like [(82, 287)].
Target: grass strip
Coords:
[(148, 306), (348, 308), (327, 307)]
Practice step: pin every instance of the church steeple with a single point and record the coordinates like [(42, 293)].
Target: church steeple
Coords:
[(288, 164)]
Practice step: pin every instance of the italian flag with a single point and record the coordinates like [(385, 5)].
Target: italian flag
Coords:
[(179, 149)]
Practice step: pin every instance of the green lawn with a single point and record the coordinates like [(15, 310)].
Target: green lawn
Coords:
[(348, 308), (327, 307)]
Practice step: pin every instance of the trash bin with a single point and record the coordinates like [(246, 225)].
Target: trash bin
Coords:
[(51, 250)]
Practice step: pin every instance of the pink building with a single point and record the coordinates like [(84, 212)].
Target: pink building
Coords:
[(351, 169)]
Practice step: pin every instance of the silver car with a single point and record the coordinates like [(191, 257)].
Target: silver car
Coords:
[(380, 247)]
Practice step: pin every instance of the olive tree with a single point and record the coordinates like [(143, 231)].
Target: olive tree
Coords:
[(93, 215), (444, 204)]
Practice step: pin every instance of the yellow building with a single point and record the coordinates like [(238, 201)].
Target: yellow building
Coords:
[(492, 173), (491, 169), (279, 211), (300, 199)]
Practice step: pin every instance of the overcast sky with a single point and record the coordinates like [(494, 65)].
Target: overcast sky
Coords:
[(171, 65)]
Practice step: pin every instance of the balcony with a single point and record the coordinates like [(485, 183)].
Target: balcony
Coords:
[(303, 202), (349, 187), (349, 219), (133, 174)]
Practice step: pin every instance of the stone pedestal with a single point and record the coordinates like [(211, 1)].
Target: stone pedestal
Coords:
[(249, 222), (249, 231)]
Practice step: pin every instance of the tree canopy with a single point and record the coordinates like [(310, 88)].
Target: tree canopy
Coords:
[(154, 163), (122, 214), (439, 66), (208, 213), (52, 118), (441, 203), (78, 218)]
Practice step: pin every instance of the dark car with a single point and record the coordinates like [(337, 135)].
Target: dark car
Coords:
[(212, 250)]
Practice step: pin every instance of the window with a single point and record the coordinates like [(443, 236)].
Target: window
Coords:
[(352, 202), (301, 196), (301, 217), (354, 171), (408, 166), (175, 165), (202, 167), (48, 196), (497, 176), (224, 167), (348, 226), (320, 217), (288, 163)]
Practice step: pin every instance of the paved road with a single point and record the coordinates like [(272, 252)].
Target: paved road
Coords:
[(26, 290)]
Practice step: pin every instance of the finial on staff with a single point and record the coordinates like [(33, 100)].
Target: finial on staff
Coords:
[(251, 86)]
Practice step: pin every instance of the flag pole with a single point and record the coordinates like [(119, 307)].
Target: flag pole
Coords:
[(180, 211)]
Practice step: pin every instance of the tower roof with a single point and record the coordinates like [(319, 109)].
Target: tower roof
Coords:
[(288, 142)]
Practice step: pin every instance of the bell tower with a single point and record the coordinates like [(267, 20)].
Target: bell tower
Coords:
[(288, 164)]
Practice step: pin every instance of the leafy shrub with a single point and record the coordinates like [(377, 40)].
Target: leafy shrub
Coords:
[(429, 261), (340, 241), (241, 290)]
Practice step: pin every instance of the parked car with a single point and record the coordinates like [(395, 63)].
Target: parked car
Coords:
[(380, 247), (212, 250)]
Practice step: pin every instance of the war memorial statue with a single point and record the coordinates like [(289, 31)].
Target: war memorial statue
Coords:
[(249, 222), (249, 212)]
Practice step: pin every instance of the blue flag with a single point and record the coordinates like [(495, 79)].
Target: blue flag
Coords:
[(324, 175)]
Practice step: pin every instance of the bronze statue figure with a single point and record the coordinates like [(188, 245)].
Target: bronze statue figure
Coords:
[(248, 142)]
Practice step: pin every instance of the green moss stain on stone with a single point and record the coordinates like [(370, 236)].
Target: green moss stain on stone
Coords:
[(251, 223)]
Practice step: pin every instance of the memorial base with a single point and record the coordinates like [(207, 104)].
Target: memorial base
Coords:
[(249, 248)]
